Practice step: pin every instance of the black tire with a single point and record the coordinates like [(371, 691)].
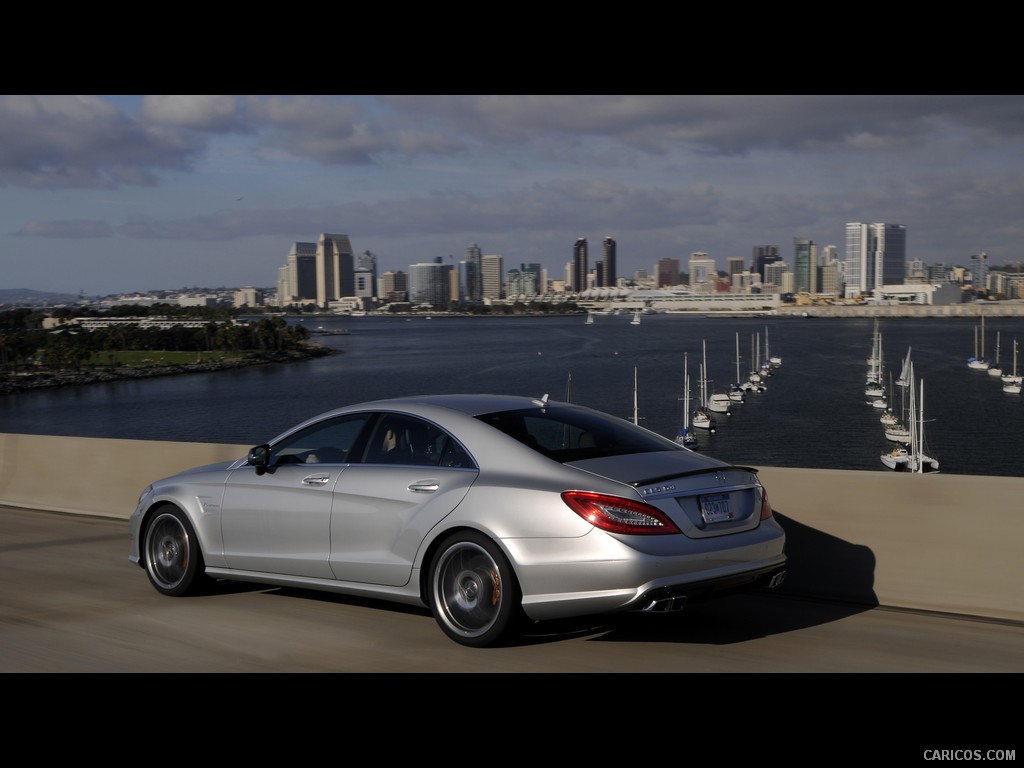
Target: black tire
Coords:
[(474, 595), (172, 556)]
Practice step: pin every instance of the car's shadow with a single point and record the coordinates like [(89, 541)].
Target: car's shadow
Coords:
[(827, 580)]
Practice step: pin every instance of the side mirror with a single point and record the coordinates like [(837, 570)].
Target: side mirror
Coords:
[(259, 457)]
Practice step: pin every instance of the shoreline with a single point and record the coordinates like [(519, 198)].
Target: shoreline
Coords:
[(54, 379)]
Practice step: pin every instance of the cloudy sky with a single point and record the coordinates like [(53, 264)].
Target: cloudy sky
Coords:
[(111, 194)]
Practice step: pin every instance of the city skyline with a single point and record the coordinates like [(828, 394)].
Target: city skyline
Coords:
[(127, 193)]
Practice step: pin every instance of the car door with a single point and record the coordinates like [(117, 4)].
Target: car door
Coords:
[(385, 506), (280, 521)]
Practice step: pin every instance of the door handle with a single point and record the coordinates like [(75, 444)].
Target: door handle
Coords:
[(424, 486)]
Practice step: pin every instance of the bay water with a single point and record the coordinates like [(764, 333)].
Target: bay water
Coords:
[(812, 413)]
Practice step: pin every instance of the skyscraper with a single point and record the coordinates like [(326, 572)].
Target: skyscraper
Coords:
[(472, 279), (607, 275), (579, 265), (703, 275), (491, 272), (334, 268), (395, 286), (666, 272), (764, 254), (876, 255), (429, 284), (296, 281), (805, 266)]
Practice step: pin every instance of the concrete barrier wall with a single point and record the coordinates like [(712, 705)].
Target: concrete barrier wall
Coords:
[(945, 543)]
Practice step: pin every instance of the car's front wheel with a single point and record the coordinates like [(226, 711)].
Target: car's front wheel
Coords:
[(173, 560), (474, 595)]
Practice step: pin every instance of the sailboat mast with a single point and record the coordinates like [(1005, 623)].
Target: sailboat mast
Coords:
[(738, 379), (636, 415), (686, 393)]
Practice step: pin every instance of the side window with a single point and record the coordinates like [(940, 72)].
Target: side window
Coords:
[(398, 439), (328, 442)]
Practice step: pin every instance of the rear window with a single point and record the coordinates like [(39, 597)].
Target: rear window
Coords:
[(573, 434)]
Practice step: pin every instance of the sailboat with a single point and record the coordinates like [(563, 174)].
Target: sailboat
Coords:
[(718, 402), (919, 461), (904, 379), (1012, 383), (701, 417), (994, 369), (736, 390), (636, 318), (913, 458), (896, 430), (978, 362), (755, 379), (686, 438), (873, 387), (774, 360), (636, 412), (590, 319)]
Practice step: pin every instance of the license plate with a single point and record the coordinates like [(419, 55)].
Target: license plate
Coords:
[(715, 508)]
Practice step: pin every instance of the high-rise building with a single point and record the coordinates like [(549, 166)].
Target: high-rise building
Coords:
[(606, 269), (775, 276), (764, 254), (979, 271), (335, 266), (471, 285), (734, 265), (367, 262), (876, 255), (805, 266), (395, 286), (831, 271), (430, 284), (296, 280), (666, 272), (491, 271), (703, 274), (580, 267)]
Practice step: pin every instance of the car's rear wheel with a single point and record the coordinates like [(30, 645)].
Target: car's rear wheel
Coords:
[(173, 560), (474, 595)]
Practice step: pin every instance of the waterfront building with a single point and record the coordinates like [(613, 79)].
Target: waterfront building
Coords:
[(366, 263), (763, 255), (364, 287), (430, 284), (394, 286), (335, 266), (471, 281), (521, 284), (876, 255), (666, 272), (703, 274), (606, 269), (491, 273), (248, 297), (979, 270), (296, 280), (805, 266), (734, 266), (580, 267), (775, 277)]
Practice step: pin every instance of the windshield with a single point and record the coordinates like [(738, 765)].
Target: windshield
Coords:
[(574, 434)]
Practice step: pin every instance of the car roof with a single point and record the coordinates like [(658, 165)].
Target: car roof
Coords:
[(469, 404)]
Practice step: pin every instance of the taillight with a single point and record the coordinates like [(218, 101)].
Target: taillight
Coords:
[(766, 507), (618, 515)]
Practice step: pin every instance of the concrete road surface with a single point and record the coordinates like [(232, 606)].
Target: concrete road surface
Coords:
[(70, 601)]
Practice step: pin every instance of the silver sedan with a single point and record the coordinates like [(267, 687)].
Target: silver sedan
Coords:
[(490, 510)]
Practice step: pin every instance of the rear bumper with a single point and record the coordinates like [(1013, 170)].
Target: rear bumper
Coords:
[(674, 598)]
